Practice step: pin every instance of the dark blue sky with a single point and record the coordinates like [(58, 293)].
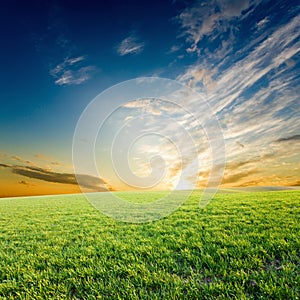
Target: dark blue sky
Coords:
[(39, 35)]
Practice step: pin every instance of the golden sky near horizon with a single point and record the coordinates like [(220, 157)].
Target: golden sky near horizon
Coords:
[(39, 175)]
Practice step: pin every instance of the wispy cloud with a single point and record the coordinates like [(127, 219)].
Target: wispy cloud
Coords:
[(255, 96), (206, 18), (262, 23), (20, 159), (57, 46), (194, 76), (72, 71), (17, 158), (174, 48), (243, 112), (130, 45), (145, 106)]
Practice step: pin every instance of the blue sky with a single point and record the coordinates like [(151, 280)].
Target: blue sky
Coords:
[(242, 56)]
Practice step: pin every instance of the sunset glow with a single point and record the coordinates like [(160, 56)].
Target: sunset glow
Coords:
[(241, 57)]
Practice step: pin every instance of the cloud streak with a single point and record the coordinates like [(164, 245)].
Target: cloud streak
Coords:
[(130, 45), (72, 71)]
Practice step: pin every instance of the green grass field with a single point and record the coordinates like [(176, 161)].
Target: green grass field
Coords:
[(243, 245)]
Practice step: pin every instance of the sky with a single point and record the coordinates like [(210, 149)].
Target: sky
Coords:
[(241, 57)]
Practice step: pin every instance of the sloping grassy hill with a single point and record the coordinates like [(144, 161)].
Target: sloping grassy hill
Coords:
[(241, 246)]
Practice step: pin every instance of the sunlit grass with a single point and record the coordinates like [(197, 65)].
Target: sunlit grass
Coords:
[(241, 246)]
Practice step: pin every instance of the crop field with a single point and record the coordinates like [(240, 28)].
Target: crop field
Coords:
[(242, 245)]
